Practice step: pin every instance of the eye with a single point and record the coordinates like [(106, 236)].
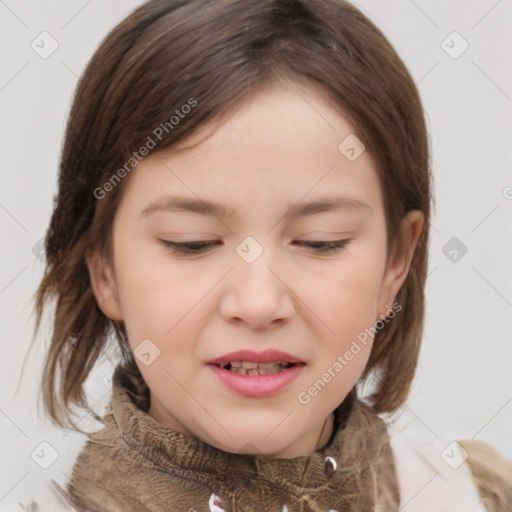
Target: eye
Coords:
[(199, 246), (194, 247), (325, 247)]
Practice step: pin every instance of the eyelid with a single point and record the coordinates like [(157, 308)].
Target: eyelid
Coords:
[(326, 246), (322, 247), (205, 243)]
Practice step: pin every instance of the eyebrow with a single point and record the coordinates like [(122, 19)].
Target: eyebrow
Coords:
[(209, 208)]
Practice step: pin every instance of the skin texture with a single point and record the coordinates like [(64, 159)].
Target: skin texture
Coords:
[(278, 149)]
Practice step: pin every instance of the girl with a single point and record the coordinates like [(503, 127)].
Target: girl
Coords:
[(244, 206)]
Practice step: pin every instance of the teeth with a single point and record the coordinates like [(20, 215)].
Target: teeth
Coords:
[(252, 366), (249, 368), (271, 365)]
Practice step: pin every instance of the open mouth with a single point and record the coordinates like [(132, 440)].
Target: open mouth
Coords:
[(254, 379), (247, 368)]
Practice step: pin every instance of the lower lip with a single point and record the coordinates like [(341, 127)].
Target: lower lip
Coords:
[(257, 386)]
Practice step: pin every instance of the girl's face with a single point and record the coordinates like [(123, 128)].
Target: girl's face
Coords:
[(265, 278)]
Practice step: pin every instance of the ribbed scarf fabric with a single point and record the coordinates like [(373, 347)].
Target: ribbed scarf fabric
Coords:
[(136, 464)]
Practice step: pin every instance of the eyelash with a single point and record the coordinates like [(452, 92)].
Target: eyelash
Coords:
[(197, 247)]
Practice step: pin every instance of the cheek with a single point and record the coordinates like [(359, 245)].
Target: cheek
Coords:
[(347, 307), (345, 298), (140, 285), (160, 300)]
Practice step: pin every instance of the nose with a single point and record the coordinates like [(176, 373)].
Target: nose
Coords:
[(258, 294)]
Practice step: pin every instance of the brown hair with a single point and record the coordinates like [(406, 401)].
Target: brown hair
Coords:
[(168, 51)]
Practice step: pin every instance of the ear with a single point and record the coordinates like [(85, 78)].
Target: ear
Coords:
[(104, 286), (398, 265)]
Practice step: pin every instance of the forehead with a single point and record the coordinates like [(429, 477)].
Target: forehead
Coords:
[(282, 143), (292, 111)]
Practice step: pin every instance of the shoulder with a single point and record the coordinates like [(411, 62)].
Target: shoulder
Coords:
[(46, 495), (438, 475), (491, 473)]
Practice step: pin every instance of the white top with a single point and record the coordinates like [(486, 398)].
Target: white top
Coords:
[(434, 476)]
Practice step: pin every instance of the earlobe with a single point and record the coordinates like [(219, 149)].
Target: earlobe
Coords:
[(104, 286), (399, 263)]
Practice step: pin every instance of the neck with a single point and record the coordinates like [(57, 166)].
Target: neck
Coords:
[(309, 443)]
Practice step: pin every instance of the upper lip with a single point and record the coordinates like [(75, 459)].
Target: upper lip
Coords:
[(267, 356)]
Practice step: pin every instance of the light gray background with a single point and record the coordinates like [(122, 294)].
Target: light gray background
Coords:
[(463, 387)]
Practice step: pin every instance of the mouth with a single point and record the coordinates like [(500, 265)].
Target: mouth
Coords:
[(256, 380), (248, 362)]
